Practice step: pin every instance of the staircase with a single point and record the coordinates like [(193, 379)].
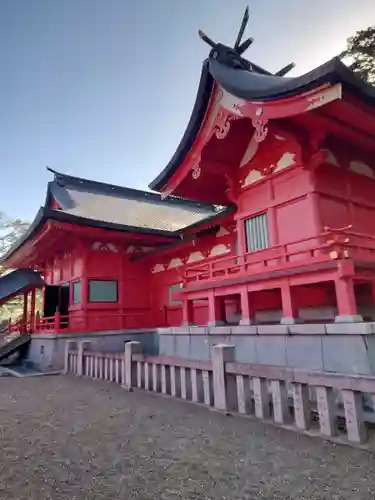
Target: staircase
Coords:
[(19, 343)]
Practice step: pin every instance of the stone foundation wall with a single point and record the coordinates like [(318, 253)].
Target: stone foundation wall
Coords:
[(344, 348), (47, 350)]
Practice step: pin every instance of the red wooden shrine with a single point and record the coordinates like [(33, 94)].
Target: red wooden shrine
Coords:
[(281, 227)]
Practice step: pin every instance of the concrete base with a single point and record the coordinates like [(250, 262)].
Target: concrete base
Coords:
[(246, 322), (349, 319), (291, 321), (216, 323)]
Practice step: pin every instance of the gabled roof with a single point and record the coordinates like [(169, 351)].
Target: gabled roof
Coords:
[(244, 80), (122, 206), (94, 204)]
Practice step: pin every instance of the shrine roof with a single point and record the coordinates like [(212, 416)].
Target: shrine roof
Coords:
[(227, 69), (94, 204), (123, 206)]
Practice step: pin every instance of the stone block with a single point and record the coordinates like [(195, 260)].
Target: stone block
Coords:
[(199, 347), (198, 330), (244, 330), (301, 329), (182, 346), (350, 328), (273, 330), (271, 350), (245, 349), (167, 345), (219, 330), (304, 352), (345, 354)]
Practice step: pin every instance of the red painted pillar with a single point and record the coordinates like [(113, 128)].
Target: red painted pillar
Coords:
[(241, 237), (273, 235), (289, 305), (216, 310), (346, 303), (247, 312), (84, 288), (24, 315), (187, 312), (32, 310), (57, 321)]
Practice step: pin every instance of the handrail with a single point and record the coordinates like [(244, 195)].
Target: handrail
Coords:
[(96, 322), (328, 245)]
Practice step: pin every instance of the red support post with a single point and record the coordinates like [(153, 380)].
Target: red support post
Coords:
[(85, 286), (187, 312), (24, 315), (57, 321), (289, 305), (241, 237), (346, 303), (216, 310), (247, 313), (32, 311)]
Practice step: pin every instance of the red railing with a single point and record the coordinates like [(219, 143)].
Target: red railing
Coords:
[(329, 245), (92, 322)]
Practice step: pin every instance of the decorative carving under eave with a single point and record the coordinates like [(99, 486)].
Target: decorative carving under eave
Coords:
[(222, 123), (158, 268), (104, 247), (196, 172), (261, 129), (223, 231)]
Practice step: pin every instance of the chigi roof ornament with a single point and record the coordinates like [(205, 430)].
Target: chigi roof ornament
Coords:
[(232, 57)]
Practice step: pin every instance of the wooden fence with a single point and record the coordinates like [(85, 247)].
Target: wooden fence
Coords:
[(306, 400)]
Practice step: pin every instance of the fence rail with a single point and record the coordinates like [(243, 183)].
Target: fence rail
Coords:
[(59, 323), (308, 400)]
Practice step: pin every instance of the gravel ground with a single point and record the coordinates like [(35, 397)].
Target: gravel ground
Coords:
[(78, 439)]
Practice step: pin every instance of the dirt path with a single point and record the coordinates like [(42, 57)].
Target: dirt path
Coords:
[(68, 438)]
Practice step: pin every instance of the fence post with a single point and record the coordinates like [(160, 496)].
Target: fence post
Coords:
[(131, 348), (37, 322), (56, 323), (69, 344), (82, 346), (224, 390)]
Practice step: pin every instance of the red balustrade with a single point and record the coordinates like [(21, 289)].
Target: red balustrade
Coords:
[(329, 245)]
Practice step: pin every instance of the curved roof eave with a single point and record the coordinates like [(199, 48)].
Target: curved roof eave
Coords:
[(254, 85), (45, 214), (199, 110)]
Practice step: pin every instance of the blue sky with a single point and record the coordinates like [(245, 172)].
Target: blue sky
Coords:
[(103, 89)]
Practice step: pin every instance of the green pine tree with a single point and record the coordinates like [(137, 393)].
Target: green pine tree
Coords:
[(360, 54)]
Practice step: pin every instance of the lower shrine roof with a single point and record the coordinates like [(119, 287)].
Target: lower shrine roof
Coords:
[(124, 206), (88, 203)]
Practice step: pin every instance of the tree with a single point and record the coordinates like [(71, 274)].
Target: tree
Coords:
[(10, 232), (360, 53)]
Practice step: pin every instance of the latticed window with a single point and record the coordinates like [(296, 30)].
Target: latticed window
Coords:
[(256, 233)]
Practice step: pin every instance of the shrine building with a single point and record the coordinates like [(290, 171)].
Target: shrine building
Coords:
[(265, 214)]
